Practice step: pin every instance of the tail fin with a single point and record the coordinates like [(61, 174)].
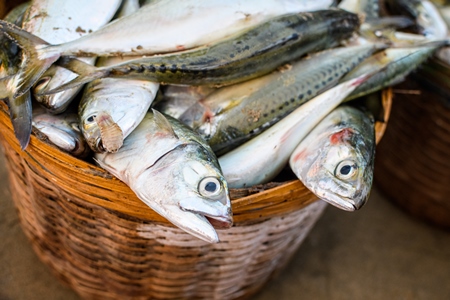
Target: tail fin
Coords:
[(38, 56), (86, 72), (20, 113)]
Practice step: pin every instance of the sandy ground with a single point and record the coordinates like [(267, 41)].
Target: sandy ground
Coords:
[(379, 252)]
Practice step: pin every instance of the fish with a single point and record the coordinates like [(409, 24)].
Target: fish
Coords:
[(391, 66), (62, 130), (335, 161), (173, 171), (20, 109), (234, 114), (57, 23), (187, 24), (110, 108), (428, 20), (252, 54), (260, 159), (176, 99), (370, 8)]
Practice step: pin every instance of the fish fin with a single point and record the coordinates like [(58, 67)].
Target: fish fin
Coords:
[(38, 56), (163, 123), (86, 73), (230, 104), (20, 113), (383, 29)]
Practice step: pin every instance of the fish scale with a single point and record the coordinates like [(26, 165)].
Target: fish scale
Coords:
[(252, 54), (267, 99)]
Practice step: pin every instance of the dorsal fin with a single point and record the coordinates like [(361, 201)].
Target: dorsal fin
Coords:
[(164, 124)]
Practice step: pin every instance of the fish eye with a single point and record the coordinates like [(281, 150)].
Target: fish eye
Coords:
[(90, 119), (346, 169), (209, 186)]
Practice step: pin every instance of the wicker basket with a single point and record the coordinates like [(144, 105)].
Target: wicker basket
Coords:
[(102, 241), (415, 174)]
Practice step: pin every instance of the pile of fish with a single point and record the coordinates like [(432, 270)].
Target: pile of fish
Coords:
[(182, 100)]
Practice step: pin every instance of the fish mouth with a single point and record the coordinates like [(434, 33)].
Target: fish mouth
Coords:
[(220, 222), (343, 202)]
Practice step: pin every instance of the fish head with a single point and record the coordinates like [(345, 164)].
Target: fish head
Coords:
[(54, 77), (63, 131), (187, 188), (91, 131), (100, 131), (340, 173)]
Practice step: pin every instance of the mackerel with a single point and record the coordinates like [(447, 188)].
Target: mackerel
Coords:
[(174, 172), (263, 157), (391, 67), (249, 55), (176, 99), (232, 115), (56, 23), (111, 108), (370, 8), (335, 161), (186, 24), (427, 17), (62, 130)]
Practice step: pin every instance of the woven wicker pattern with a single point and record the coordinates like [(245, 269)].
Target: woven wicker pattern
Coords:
[(104, 254), (415, 173)]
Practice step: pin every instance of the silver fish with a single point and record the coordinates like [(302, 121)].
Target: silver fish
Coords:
[(62, 130), (60, 22), (253, 53), (263, 157), (336, 159), (232, 115), (391, 66), (370, 8), (186, 24), (111, 109), (175, 173), (176, 99), (429, 21), (123, 103)]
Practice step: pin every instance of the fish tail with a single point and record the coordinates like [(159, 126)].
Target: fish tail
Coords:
[(39, 56), (86, 73), (21, 117)]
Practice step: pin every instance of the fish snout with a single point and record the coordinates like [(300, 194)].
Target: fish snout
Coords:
[(222, 222), (217, 212)]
